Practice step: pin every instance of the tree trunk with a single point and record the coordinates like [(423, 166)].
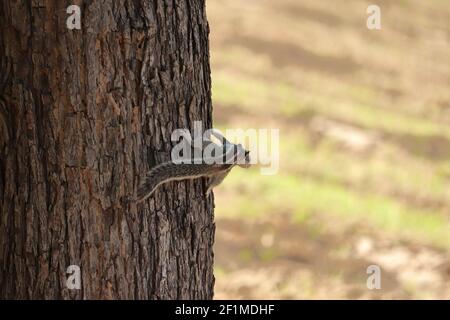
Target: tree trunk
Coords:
[(86, 113)]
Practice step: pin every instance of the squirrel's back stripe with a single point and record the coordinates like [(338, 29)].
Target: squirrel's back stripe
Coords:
[(169, 171)]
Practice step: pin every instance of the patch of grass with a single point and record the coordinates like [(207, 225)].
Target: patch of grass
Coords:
[(245, 255), (391, 83), (245, 94), (347, 102), (268, 255), (293, 194), (219, 271), (313, 181), (316, 180), (330, 162)]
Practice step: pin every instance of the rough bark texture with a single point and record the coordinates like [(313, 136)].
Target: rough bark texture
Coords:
[(87, 112)]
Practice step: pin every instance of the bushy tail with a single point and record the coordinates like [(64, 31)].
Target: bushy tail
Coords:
[(169, 171)]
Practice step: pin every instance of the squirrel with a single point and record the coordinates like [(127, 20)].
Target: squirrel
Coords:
[(215, 172)]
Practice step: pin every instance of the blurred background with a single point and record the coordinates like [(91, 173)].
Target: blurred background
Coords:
[(364, 119)]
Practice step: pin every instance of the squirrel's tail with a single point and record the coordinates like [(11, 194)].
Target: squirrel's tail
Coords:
[(166, 172)]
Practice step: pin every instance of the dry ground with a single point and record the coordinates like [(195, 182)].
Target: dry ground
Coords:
[(365, 148)]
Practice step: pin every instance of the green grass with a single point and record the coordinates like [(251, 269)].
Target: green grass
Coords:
[(392, 189), (325, 191), (333, 168), (331, 163), (303, 197), (327, 97), (392, 83)]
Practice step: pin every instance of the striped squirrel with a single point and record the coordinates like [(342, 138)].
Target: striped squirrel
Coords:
[(216, 171)]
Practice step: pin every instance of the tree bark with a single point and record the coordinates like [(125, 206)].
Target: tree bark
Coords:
[(86, 113)]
